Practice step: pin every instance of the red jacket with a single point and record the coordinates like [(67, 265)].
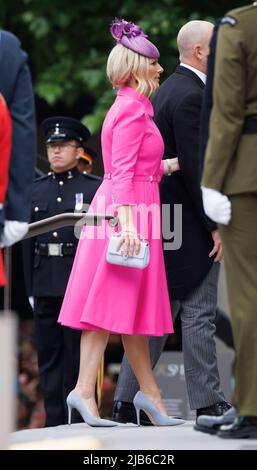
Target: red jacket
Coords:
[(5, 151)]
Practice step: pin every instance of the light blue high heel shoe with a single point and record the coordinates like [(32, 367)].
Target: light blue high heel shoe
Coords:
[(142, 402), (74, 401)]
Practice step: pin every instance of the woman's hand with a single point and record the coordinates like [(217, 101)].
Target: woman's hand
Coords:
[(171, 165), (128, 236), (131, 243)]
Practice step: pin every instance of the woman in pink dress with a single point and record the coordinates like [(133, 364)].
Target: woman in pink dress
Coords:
[(102, 298)]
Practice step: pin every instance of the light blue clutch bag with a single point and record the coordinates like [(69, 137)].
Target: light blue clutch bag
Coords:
[(139, 261)]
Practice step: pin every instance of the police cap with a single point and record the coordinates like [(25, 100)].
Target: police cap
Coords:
[(64, 128)]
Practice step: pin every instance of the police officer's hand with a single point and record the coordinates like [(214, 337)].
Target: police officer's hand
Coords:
[(216, 205), (13, 232)]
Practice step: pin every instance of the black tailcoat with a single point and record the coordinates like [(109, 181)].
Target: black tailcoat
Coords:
[(177, 107)]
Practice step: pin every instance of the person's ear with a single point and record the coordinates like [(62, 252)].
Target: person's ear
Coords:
[(133, 77), (198, 52), (80, 152)]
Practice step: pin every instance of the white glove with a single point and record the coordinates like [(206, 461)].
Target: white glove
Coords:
[(13, 232), (216, 205)]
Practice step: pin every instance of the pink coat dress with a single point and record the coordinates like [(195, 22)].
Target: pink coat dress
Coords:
[(115, 298)]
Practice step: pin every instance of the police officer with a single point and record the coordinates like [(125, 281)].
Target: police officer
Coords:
[(64, 189), (230, 197)]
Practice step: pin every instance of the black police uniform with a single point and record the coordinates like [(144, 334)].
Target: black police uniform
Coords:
[(58, 346)]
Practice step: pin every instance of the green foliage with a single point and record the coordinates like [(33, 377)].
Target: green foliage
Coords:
[(68, 42)]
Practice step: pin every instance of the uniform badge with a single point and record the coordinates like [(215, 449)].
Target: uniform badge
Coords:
[(78, 201), (228, 20), (57, 130)]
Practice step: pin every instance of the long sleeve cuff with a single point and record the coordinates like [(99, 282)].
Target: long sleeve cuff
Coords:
[(123, 193)]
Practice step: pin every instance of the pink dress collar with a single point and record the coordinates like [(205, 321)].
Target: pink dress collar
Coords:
[(128, 91)]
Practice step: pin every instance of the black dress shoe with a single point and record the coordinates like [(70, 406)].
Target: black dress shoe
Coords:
[(211, 424), (218, 409), (242, 428), (125, 412)]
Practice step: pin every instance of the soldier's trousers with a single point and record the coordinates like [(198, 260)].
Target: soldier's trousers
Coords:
[(58, 359), (240, 252)]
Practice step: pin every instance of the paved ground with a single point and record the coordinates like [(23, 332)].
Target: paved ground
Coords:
[(126, 437)]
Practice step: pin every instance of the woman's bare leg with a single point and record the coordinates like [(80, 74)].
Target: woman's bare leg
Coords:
[(92, 347), (137, 350)]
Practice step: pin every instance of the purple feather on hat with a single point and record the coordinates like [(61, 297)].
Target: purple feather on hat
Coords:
[(133, 37)]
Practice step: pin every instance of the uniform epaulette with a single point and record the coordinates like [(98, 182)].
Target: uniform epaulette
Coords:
[(228, 19), (93, 177)]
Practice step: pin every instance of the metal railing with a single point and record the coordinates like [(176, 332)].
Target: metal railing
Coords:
[(65, 220), (46, 225)]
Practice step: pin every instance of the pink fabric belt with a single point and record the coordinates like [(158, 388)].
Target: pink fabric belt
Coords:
[(147, 178)]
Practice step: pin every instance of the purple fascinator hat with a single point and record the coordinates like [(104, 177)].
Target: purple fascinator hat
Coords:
[(133, 37)]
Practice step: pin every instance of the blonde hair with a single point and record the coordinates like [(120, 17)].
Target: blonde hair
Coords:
[(123, 62)]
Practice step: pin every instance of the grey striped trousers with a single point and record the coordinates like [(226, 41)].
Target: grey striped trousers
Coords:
[(197, 312)]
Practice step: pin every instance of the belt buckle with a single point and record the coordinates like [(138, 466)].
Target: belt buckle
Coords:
[(54, 249)]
